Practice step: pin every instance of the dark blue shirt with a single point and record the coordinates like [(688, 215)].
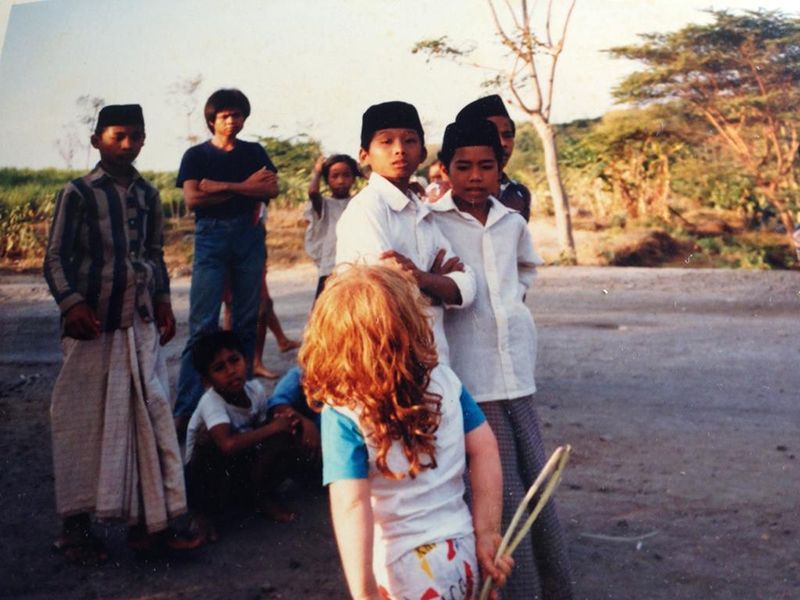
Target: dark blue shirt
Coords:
[(515, 196), (206, 161)]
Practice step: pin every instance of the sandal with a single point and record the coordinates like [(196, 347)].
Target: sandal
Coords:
[(84, 550), (275, 511), (151, 544), (181, 540)]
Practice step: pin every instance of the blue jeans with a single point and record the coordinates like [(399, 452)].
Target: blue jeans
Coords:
[(222, 247)]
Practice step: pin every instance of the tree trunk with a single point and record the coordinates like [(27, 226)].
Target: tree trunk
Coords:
[(560, 201), (788, 224)]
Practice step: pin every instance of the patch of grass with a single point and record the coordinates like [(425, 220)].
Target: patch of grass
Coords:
[(753, 250)]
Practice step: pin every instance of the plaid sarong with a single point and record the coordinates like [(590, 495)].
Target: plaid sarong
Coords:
[(542, 569), (115, 452)]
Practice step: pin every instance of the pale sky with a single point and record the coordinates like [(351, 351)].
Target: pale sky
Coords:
[(308, 66)]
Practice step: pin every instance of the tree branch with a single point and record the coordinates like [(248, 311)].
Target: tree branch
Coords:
[(513, 14), (507, 41)]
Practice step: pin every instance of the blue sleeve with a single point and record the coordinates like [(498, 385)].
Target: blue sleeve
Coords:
[(344, 452), (289, 390), (191, 166), (470, 411)]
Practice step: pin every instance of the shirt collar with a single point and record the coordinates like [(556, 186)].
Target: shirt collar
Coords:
[(99, 175), (497, 210), (396, 199)]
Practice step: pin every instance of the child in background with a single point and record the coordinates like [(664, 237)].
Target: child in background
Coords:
[(395, 429), (267, 319), (513, 194), (493, 343), (439, 183), (115, 452), (233, 449), (387, 221), (322, 213)]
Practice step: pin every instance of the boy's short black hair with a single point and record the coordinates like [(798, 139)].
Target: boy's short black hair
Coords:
[(222, 99), (483, 108), (469, 132), (206, 348), (389, 115), (340, 158)]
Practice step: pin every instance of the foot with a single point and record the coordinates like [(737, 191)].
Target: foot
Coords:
[(181, 541), (81, 548), (262, 371), (276, 511), (286, 344), (205, 528), (144, 543)]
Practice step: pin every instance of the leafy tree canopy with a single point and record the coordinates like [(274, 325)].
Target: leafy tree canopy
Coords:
[(741, 74), (738, 61)]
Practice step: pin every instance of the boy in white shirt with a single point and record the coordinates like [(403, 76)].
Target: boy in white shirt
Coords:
[(493, 343), (234, 450), (386, 220)]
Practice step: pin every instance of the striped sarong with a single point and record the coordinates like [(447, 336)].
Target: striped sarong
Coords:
[(115, 452), (542, 569)]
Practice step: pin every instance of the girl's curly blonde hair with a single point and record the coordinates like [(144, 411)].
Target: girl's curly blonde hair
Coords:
[(368, 346)]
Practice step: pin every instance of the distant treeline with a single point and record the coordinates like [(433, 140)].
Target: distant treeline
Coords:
[(642, 165), (27, 196), (629, 167)]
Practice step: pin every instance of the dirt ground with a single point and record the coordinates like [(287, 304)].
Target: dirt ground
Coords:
[(678, 390)]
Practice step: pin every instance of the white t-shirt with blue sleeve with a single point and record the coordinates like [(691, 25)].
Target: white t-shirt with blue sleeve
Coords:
[(408, 512)]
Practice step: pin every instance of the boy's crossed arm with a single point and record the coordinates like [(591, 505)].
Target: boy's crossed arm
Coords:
[(433, 283), (260, 185), (230, 442)]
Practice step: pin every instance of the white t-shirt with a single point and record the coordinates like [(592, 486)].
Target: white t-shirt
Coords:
[(380, 218), (408, 512), (212, 410), (493, 343), (320, 238)]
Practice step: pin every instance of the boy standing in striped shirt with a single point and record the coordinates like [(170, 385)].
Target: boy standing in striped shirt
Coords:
[(115, 453)]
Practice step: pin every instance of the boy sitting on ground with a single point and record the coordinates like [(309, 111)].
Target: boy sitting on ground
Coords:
[(234, 451)]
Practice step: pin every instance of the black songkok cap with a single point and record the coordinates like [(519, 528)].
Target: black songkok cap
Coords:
[(119, 114), (389, 115), (469, 132), (482, 108)]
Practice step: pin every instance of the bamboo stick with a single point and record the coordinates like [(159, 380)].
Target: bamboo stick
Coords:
[(552, 469)]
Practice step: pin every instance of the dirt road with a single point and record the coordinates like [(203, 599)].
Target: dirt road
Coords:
[(678, 389)]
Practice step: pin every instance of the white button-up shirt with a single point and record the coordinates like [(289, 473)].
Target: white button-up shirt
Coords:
[(382, 218), (320, 238), (493, 344)]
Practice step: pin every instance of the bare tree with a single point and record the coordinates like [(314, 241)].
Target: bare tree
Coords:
[(72, 140), (68, 145), (529, 80), (183, 94), (88, 107)]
